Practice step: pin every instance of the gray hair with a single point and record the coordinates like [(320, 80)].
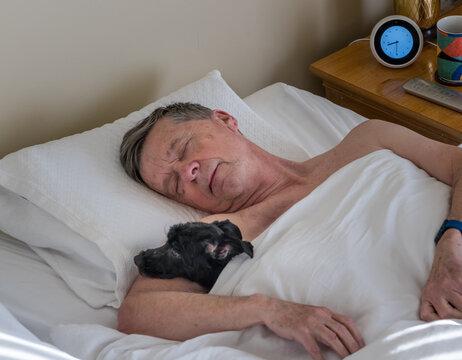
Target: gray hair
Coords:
[(133, 140)]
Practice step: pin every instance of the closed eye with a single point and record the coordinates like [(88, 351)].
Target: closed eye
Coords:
[(186, 146), (176, 183), (183, 154)]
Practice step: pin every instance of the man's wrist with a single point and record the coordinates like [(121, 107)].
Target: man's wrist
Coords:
[(453, 233), (452, 236), (455, 226), (261, 305)]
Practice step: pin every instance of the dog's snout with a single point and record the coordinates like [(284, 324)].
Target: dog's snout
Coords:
[(139, 260)]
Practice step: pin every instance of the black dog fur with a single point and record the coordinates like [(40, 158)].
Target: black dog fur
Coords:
[(196, 251)]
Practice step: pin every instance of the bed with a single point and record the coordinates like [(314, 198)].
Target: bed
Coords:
[(71, 222)]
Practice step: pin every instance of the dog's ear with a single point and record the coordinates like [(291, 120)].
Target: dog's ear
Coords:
[(176, 236), (175, 231), (179, 237), (247, 247), (229, 229), (233, 232)]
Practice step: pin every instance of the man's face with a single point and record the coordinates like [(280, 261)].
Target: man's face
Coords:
[(201, 163)]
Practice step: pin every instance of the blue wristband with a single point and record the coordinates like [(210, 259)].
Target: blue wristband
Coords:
[(448, 224)]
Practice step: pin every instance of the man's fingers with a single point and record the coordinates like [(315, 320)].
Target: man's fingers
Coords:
[(456, 301), (446, 306), (344, 335), (428, 312), (445, 310), (443, 290), (350, 325), (455, 311), (312, 347), (312, 326), (331, 339)]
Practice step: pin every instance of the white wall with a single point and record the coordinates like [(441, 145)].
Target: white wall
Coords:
[(67, 66)]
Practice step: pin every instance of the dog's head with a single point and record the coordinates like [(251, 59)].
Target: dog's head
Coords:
[(159, 262), (220, 241), (197, 251)]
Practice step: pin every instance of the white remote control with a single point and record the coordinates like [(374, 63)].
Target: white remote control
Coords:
[(436, 93)]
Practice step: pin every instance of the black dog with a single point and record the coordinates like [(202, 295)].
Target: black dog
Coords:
[(196, 251)]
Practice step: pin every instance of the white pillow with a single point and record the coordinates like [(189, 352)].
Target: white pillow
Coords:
[(80, 200), (313, 123)]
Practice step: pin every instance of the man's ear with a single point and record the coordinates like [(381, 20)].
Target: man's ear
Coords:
[(229, 120)]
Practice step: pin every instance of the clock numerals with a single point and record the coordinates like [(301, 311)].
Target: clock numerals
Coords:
[(396, 42), (396, 47)]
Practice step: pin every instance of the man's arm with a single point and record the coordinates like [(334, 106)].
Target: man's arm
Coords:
[(178, 309), (442, 294)]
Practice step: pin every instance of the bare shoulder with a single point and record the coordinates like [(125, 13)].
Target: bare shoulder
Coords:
[(364, 137), (434, 157), (359, 142), (378, 134)]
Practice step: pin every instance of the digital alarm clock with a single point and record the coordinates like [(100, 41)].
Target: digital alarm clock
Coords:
[(396, 41)]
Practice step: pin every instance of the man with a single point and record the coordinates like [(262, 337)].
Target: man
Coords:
[(198, 157)]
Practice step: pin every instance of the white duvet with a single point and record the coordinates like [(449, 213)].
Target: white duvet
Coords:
[(16, 342), (361, 244)]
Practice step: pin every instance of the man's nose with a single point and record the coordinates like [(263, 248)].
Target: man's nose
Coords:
[(189, 171)]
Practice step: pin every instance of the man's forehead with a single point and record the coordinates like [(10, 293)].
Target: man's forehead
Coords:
[(164, 126), (167, 127), (160, 137)]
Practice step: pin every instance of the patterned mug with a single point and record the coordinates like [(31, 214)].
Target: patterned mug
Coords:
[(449, 58)]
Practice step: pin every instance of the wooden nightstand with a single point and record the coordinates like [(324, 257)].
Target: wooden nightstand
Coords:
[(354, 79)]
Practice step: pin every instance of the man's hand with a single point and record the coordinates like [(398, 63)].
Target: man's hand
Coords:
[(309, 325), (442, 294)]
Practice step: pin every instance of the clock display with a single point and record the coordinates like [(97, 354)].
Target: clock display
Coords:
[(397, 42)]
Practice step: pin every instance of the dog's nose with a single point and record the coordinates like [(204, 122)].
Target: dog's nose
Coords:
[(139, 260)]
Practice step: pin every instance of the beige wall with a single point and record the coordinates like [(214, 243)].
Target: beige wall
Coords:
[(67, 66)]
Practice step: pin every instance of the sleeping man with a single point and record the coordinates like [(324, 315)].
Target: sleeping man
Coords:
[(198, 157)]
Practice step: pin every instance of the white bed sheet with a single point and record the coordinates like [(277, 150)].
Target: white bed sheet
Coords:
[(34, 293), (16, 342)]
